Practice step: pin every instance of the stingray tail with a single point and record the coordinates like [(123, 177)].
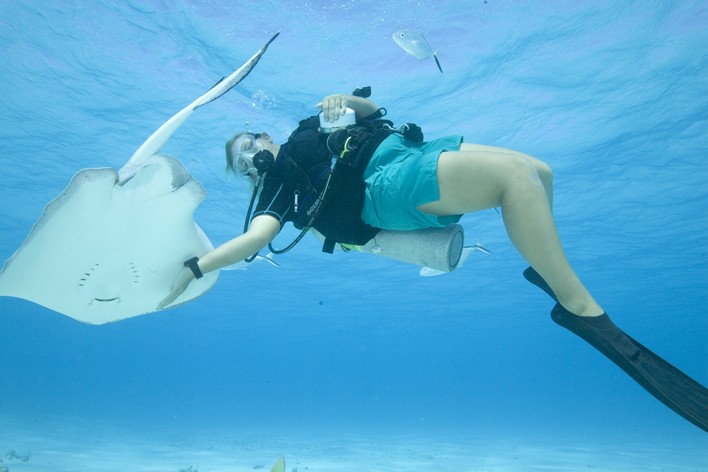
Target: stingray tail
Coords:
[(154, 143), (236, 77)]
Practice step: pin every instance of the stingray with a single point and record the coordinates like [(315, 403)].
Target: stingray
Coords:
[(110, 245)]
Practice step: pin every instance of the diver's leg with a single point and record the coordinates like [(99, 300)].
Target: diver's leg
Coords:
[(477, 179), (544, 171)]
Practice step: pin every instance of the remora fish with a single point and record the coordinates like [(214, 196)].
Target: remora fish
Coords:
[(415, 44)]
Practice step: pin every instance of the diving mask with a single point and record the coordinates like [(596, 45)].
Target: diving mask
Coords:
[(245, 147)]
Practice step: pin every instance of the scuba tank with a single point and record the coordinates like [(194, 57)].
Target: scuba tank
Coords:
[(435, 248)]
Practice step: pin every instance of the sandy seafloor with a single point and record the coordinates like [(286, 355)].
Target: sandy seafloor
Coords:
[(72, 444)]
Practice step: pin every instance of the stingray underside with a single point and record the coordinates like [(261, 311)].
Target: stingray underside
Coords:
[(103, 252)]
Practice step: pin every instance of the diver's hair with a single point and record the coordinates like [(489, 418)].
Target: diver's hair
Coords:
[(231, 155)]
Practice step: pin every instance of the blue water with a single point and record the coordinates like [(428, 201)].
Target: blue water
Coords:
[(612, 94)]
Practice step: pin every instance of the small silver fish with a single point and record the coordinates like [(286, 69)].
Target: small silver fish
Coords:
[(415, 44)]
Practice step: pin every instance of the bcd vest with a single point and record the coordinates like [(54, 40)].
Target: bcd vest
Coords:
[(339, 218), (307, 162)]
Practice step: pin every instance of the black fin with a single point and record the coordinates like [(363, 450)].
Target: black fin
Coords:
[(532, 276), (665, 382)]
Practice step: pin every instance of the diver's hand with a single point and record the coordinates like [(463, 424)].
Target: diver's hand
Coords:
[(333, 106), (184, 278)]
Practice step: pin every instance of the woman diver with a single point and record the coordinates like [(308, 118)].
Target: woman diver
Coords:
[(460, 178), (402, 183)]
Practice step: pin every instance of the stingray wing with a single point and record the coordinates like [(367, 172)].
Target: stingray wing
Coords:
[(102, 252), (110, 246)]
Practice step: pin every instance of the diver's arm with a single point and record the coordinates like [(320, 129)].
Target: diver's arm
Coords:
[(334, 106), (363, 107), (262, 231)]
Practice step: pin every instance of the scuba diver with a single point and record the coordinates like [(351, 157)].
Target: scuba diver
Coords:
[(349, 182)]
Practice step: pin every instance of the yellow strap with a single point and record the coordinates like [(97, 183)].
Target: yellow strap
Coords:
[(346, 150)]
